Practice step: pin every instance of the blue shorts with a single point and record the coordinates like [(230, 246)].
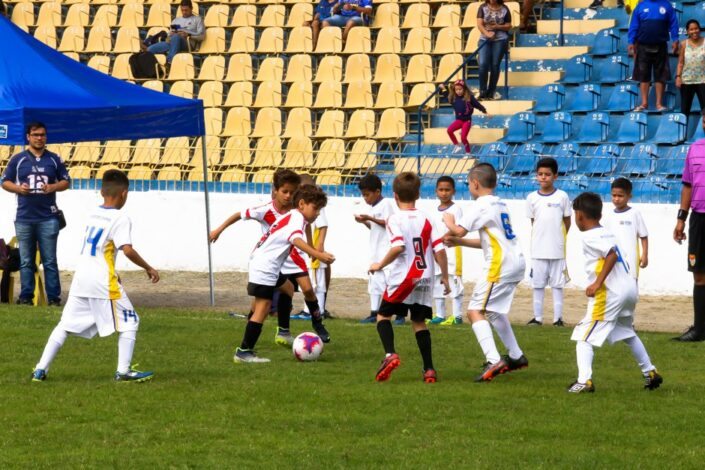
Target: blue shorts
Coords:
[(341, 21)]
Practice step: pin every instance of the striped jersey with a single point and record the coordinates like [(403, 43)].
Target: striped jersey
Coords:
[(275, 247), (629, 227), (548, 233), (489, 216), (455, 253), (107, 230)]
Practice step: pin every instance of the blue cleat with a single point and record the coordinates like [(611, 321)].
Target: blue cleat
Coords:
[(133, 375), (370, 319), (400, 320), (39, 375), (301, 316), (436, 320)]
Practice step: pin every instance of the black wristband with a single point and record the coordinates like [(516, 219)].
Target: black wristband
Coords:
[(682, 215)]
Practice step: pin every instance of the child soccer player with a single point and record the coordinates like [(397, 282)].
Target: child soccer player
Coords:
[(445, 190), (414, 245), (549, 211), (267, 260), (97, 302), (375, 219), (503, 269), (612, 296)]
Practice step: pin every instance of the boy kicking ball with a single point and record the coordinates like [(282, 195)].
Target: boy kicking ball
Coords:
[(612, 295), (97, 302)]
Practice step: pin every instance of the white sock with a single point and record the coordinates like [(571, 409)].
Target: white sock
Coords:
[(640, 354), (584, 353), (538, 304), (54, 343), (458, 307), (483, 333), (557, 304), (126, 346), (506, 334), (440, 307), (321, 297), (375, 302)]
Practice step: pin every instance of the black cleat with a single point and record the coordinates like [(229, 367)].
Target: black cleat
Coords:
[(690, 336), (652, 380), (516, 364), (559, 322), (534, 322), (322, 332), (22, 301), (577, 387)]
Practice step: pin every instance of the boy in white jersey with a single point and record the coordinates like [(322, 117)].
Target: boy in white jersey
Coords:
[(318, 270), (415, 243), (267, 259), (549, 211), (503, 269), (612, 296), (445, 190), (97, 302)]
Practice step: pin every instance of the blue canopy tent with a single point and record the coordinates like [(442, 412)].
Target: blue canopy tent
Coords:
[(77, 103)]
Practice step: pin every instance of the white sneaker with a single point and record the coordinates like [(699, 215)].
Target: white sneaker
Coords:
[(248, 356)]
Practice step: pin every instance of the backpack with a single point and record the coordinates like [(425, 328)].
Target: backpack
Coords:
[(143, 65)]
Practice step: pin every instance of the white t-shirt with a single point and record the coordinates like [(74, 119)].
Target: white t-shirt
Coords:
[(414, 267), (454, 254), (107, 230), (274, 248), (548, 231), (504, 261), (379, 240), (320, 222), (628, 226)]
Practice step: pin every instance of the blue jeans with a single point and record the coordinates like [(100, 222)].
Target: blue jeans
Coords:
[(46, 234), (342, 21), (175, 45), (490, 59)]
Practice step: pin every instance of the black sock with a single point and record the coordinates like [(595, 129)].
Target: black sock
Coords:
[(423, 339), (386, 334), (315, 311), (699, 309), (284, 311), (249, 315), (252, 332)]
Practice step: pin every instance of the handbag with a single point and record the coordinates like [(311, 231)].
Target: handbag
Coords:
[(62, 219)]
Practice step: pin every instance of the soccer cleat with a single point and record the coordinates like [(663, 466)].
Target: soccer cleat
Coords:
[(490, 371), (54, 303), (690, 336), (458, 320), (429, 376), (39, 375), (389, 363), (534, 322), (301, 316), (400, 320), (577, 387), (327, 315), (248, 356), (283, 337), (22, 301), (322, 332), (516, 364), (370, 319), (652, 380), (133, 375), (559, 322), (436, 320)]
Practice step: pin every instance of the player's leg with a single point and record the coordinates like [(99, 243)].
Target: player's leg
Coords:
[(624, 331), (439, 300), (515, 358), (262, 302), (284, 306), (419, 314), (584, 354), (320, 288), (126, 322), (386, 335), (557, 280), (328, 275), (375, 288), (696, 265), (538, 280), (313, 307), (456, 295), (494, 364), (54, 343)]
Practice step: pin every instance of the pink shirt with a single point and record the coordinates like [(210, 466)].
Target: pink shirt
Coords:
[(694, 175)]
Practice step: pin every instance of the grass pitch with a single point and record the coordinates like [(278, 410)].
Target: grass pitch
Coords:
[(201, 410)]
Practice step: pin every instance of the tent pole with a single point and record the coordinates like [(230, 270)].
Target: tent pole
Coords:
[(211, 280)]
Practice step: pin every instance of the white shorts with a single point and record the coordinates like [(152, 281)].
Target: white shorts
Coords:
[(422, 294), (318, 279), (377, 283), (493, 296), (596, 332), (85, 316), (456, 287), (549, 272)]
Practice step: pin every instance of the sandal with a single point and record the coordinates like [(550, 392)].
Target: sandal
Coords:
[(662, 109), (639, 109)]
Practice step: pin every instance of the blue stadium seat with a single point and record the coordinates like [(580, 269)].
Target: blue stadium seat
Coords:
[(670, 95), (584, 98), (624, 97), (523, 161), (699, 132), (632, 129), (697, 12), (566, 156), (582, 183), (637, 161), (515, 187), (550, 98), (656, 190), (601, 162), (606, 42), (595, 128), (558, 127), (671, 129), (578, 70), (521, 128), (611, 69), (495, 154), (671, 164)]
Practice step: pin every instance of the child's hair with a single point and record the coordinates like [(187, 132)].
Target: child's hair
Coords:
[(622, 183), (310, 194), (282, 177), (306, 179), (485, 174), (446, 179), (406, 186), (548, 162), (589, 204), (692, 21), (114, 182), (370, 182), (467, 94)]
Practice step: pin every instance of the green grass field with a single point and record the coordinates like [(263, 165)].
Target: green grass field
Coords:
[(201, 410)]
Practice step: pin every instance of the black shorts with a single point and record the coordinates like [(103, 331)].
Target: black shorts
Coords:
[(293, 278), (417, 312), (264, 292), (696, 243), (651, 60)]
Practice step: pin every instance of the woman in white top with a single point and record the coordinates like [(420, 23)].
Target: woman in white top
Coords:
[(690, 75)]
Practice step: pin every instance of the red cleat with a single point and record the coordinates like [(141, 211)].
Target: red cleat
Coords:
[(490, 371), (389, 363), (429, 376)]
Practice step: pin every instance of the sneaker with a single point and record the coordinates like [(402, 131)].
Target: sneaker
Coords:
[(437, 320), (370, 319), (322, 332), (39, 375), (283, 337), (429, 376), (534, 322), (690, 336), (458, 320), (559, 322), (327, 315), (652, 380), (389, 363), (516, 364), (54, 303), (400, 320), (577, 387), (247, 356), (490, 371), (22, 301), (596, 4), (301, 316), (133, 375)]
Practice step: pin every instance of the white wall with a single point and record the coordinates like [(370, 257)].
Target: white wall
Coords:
[(169, 231)]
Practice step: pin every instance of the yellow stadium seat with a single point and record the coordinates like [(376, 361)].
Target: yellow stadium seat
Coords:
[(62, 150), (212, 68), (329, 95), (49, 14), (357, 68), (386, 14), (272, 15), (300, 94), (121, 67), (176, 152), (330, 41), (388, 68), (47, 35), (362, 156), (470, 17), (240, 94), (268, 153), (100, 63), (182, 88), (211, 93), (169, 173), (86, 152), (531, 78), (80, 172), (515, 11), (147, 152), (298, 14), (271, 41), (73, 55), (269, 94), (418, 95), (298, 153), (299, 69), (214, 42), (263, 176), (182, 67), (358, 95), (300, 40), (245, 15), (329, 178), (140, 173), (447, 15), (359, 41), (99, 39), (213, 154), (473, 41), (268, 123), (132, 14), (298, 123), (213, 118), (418, 15), (196, 174), (390, 95), (331, 154), (419, 69), (271, 69), (127, 40), (239, 68), (237, 123), (217, 15), (155, 85), (236, 152), (418, 41), (102, 169), (159, 15), (361, 124), (23, 14), (242, 40), (330, 69), (72, 40), (447, 65), (106, 15), (331, 124), (233, 175), (389, 41), (449, 41), (117, 152), (392, 125)]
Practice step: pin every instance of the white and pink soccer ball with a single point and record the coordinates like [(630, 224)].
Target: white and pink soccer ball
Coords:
[(307, 347)]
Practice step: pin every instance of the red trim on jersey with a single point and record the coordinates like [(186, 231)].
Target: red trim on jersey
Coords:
[(414, 274), (247, 213), (437, 242), (294, 233), (269, 217), (283, 222), (298, 259), (395, 239)]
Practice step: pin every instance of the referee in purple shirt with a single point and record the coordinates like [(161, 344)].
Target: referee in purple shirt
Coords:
[(693, 197)]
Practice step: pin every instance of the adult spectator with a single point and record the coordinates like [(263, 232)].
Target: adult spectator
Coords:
[(690, 74), (349, 13), (185, 30), (322, 12), (494, 21), (3, 10), (693, 197), (36, 175), (649, 28)]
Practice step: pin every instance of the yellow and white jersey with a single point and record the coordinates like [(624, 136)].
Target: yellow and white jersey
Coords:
[(454, 254), (379, 240), (629, 227), (489, 216), (320, 222), (548, 233), (107, 230)]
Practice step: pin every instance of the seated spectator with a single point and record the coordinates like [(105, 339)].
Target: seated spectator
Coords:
[(186, 30), (348, 13), (322, 12)]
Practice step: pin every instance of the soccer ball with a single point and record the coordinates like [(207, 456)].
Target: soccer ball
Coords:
[(307, 347)]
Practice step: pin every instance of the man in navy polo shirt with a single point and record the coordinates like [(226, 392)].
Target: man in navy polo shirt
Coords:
[(35, 175)]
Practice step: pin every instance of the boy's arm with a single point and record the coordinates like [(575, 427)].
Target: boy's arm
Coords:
[(322, 232), (391, 255), (566, 222), (644, 261), (366, 218), (610, 261), (309, 235), (309, 250), (442, 259), (135, 257), (213, 236), (450, 240), (453, 228)]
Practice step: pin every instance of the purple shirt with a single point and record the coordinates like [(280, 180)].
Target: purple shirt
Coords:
[(694, 175)]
